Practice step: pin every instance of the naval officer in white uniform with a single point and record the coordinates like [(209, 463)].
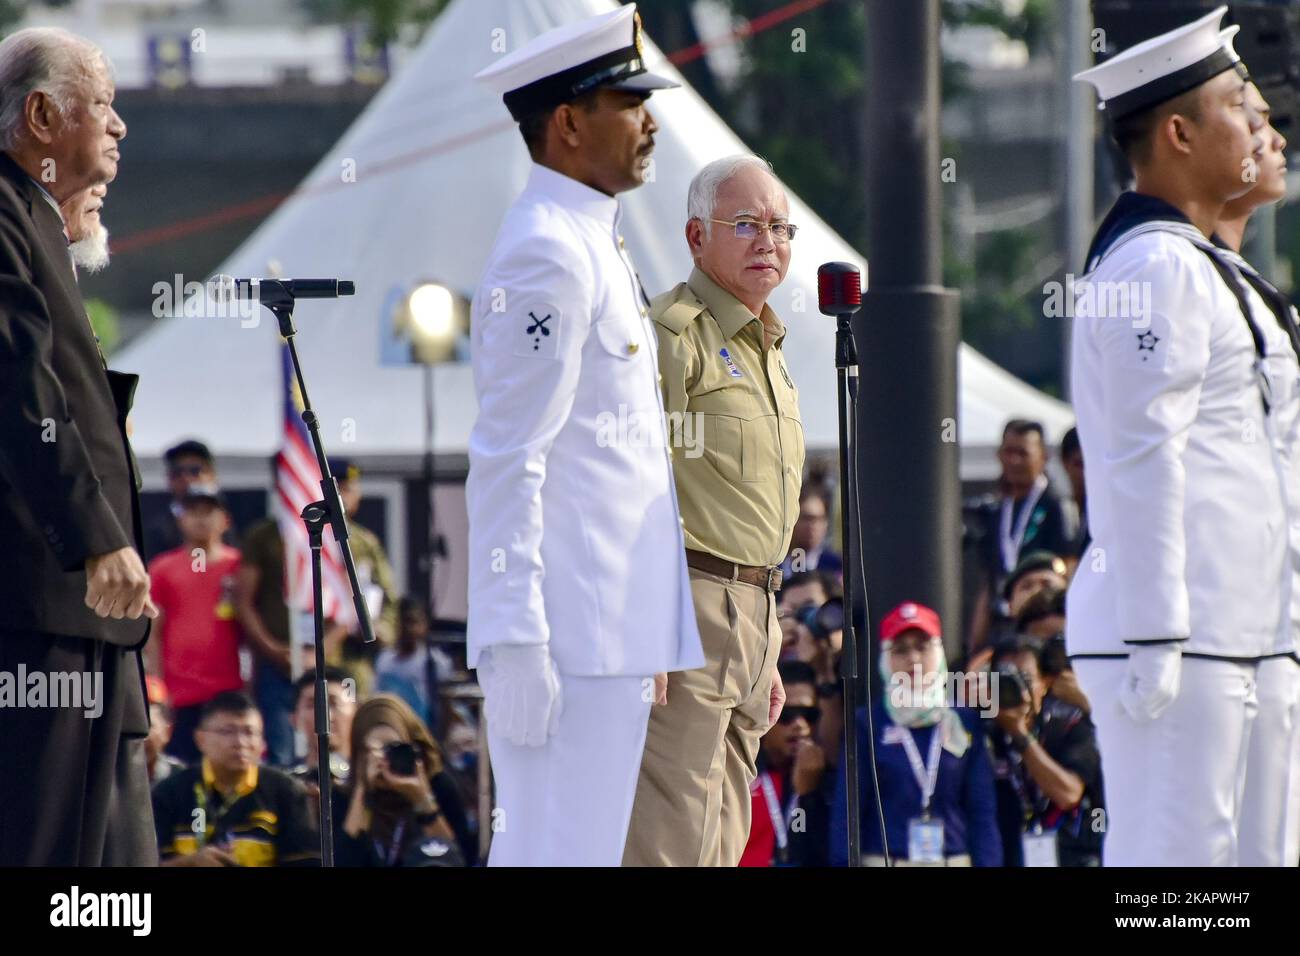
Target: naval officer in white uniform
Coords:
[(1186, 586), (578, 589)]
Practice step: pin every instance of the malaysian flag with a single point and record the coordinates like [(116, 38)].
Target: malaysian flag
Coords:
[(297, 484)]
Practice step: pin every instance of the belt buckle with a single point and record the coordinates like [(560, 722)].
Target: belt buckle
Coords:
[(774, 579)]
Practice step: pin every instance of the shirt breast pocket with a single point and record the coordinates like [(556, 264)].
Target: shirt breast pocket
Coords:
[(792, 439), (733, 433), (622, 373)]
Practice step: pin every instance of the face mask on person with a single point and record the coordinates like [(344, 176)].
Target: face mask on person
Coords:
[(910, 706)]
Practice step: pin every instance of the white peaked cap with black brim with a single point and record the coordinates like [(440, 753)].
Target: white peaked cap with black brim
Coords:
[(564, 63), (1157, 70)]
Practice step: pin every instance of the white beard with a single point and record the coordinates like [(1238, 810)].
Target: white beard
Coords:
[(91, 253)]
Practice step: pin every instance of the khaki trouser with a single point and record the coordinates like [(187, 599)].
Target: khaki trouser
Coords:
[(692, 799)]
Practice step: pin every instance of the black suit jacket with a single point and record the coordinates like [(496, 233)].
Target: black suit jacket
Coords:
[(69, 487)]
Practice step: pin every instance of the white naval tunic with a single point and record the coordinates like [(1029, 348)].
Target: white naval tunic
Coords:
[(574, 533), (1186, 489)]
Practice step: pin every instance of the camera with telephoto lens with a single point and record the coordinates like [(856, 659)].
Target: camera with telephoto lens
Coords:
[(400, 757), (1013, 687), (1053, 660), (822, 621)]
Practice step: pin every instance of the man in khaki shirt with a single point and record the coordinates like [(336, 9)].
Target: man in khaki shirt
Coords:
[(738, 451)]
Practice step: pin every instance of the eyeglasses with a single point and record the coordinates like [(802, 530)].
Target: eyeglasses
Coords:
[(232, 733), (750, 228), (790, 714)]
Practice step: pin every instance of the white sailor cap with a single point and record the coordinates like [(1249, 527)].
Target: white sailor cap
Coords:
[(1157, 70), (564, 63)]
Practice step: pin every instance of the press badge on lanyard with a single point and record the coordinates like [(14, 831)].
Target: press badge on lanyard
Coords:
[(1011, 539), (1039, 848), (924, 835), (780, 823)]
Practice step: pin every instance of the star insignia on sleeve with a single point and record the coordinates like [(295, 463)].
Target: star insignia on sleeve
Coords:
[(1147, 343)]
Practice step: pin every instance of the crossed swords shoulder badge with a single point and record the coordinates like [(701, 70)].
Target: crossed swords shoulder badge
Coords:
[(538, 329)]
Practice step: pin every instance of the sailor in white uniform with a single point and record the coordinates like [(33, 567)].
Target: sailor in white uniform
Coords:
[(1186, 586), (1269, 818), (578, 589)]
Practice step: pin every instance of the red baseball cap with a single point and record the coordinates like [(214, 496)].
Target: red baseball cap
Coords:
[(909, 616)]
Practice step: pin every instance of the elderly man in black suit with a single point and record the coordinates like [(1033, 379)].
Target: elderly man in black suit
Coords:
[(74, 593)]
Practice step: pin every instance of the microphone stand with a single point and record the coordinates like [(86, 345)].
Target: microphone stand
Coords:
[(843, 301), (846, 373), (280, 301)]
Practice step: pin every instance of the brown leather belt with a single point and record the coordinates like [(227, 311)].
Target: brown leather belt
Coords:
[(769, 579)]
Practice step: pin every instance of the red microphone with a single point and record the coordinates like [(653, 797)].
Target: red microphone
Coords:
[(839, 288)]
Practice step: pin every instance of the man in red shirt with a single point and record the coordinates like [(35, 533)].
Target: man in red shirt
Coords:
[(790, 805), (194, 645)]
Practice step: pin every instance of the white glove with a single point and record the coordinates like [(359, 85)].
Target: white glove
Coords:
[(1152, 680), (521, 692)]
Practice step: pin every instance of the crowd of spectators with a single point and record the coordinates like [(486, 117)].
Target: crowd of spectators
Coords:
[(233, 749), (1009, 780), (1002, 770)]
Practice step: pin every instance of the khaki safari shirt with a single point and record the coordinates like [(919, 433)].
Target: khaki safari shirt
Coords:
[(733, 422)]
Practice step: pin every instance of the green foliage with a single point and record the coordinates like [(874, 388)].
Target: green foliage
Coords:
[(103, 319), (1030, 25), (1001, 262), (383, 19), (11, 12), (810, 138)]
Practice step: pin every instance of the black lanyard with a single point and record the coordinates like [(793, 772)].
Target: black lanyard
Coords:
[(395, 848), (1278, 304), (210, 823), (1231, 278)]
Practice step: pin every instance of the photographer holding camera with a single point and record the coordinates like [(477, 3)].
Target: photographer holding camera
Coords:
[(810, 611), (1046, 765), (400, 807)]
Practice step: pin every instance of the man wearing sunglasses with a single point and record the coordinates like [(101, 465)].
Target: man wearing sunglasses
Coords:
[(723, 371), (791, 797)]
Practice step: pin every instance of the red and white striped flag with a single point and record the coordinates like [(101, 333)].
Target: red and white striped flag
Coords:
[(297, 484)]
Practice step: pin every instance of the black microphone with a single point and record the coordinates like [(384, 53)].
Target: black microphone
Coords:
[(297, 288), (278, 295), (839, 288)]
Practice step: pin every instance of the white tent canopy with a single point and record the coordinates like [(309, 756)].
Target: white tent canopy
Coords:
[(414, 192)]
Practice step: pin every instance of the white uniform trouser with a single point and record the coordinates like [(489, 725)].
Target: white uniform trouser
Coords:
[(1268, 830), (1173, 784), (568, 802), (1292, 839)]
